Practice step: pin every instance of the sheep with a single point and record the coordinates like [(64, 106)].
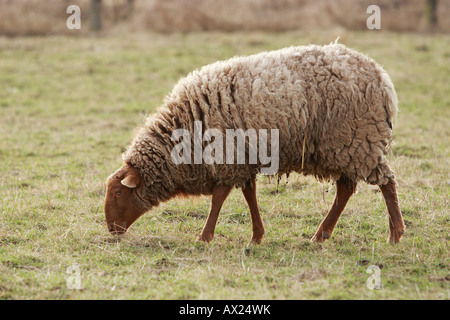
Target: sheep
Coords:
[(333, 109)]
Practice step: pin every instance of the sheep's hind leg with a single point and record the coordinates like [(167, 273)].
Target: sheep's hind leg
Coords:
[(396, 225), (219, 195), (257, 225), (344, 190)]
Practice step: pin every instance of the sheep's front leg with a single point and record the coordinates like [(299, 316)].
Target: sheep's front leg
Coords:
[(396, 225), (344, 190), (257, 224), (219, 195)]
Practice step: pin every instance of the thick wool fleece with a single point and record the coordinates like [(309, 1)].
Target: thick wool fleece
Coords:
[(338, 103)]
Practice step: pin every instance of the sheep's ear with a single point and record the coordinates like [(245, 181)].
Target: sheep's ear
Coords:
[(131, 180)]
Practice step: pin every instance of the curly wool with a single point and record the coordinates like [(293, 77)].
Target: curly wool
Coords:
[(337, 103)]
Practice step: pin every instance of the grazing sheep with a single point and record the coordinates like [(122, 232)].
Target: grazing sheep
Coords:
[(332, 108)]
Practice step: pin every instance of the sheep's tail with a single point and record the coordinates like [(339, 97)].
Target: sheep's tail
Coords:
[(391, 105), (390, 99)]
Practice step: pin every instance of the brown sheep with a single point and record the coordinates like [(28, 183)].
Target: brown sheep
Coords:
[(330, 109)]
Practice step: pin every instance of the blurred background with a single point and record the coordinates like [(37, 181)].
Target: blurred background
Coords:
[(37, 17)]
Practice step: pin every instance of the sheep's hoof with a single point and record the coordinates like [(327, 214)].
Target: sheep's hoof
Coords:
[(320, 236), (256, 240), (206, 238), (395, 235)]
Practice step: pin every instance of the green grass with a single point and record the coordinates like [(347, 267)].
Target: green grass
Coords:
[(69, 107)]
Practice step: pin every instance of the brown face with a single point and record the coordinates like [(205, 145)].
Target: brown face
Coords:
[(121, 207)]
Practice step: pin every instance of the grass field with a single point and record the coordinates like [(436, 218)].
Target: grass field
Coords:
[(69, 107)]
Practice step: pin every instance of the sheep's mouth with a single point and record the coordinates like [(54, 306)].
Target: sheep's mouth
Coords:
[(116, 229)]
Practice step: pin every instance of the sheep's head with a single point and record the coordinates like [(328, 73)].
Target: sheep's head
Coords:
[(122, 207)]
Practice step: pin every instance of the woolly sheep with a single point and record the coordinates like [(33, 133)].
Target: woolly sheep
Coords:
[(334, 109)]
